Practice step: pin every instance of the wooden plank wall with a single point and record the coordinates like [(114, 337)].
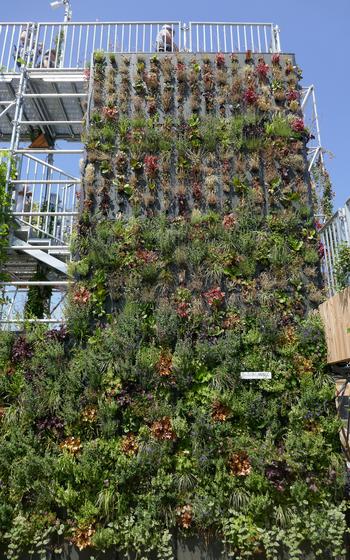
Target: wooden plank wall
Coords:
[(335, 313)]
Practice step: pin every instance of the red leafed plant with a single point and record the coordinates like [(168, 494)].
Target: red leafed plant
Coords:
[(220, 59), (289, 67), (110, 112), (320, 250), (181, 71), (262, 69), (219, 412), (275, 58), (298, 125), (185, 516), (250, 96), (162, 429), (165, 364), (231, 321), (228, 221), (82, 536), (214, 297), (293, 95), (226, 166), (81, 295), (183, 309), (239, 464), (147, 256), (151, 165), (129, 444), (197, 191)]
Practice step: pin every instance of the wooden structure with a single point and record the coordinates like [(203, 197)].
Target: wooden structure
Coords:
[(335, 313)]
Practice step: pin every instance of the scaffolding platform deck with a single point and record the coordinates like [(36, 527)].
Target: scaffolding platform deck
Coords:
[(50, 97)]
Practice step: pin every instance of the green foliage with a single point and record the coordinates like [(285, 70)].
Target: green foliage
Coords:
[(38, 299), (342, 267), (279, 126), (134, 424), (90, 416), (99, 57)]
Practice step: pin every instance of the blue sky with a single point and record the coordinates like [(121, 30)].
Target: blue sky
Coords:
[(317, 31)]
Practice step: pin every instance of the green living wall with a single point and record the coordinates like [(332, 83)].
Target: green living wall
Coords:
[(196, 258)]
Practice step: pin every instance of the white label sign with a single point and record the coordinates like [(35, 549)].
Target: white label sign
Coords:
[(256, 375)]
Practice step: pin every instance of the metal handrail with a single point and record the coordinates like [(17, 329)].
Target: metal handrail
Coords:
[(233, 37), (71, 44), (334, 233)]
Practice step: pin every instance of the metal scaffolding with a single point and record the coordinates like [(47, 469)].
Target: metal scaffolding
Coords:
[(309, 108), (42, 115)]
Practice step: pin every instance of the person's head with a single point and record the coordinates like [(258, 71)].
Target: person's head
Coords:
[(26, 34), (51, 54), (23, 36), (169, 29), (49, 58)]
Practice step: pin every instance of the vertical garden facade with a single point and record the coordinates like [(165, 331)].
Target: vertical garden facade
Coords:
[(196, 258)]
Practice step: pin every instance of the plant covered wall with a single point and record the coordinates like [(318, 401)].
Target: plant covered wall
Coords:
[(196, 259), (194, 132)]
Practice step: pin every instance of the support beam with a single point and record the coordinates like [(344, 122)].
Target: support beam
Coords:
[(42, 256), (48, 151), (54, 95), (19, 322), (63, 249), (49, 122), (45, 213), (45, 181), (4, 112), (49, 166), (307, 91), (37, 283)]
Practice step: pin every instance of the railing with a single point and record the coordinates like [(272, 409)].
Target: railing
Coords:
[(70, 45), (44, 201), (233, 37), (334, 233), (13, 297)]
